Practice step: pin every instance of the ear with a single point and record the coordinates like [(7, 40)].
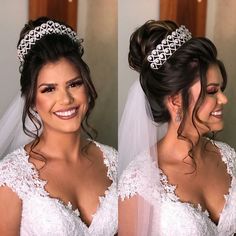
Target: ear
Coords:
[(34, 109), (174, 103)]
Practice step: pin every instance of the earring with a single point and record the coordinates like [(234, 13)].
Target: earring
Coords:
[(178, 117)]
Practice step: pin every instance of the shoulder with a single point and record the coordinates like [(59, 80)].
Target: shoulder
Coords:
[(12, 170), (16, 173), (228, 155), (138, 177), (12, 165), (108, 151), (110, 156)]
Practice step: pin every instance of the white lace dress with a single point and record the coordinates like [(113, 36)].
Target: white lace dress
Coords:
[(175, 217), (43, 215)]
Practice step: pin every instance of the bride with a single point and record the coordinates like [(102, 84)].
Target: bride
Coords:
[(176, 181), (59, 183)]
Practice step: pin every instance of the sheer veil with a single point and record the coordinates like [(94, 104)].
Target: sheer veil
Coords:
[(11, 128), (139, 133)]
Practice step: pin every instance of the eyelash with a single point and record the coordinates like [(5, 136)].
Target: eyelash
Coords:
[(213, 91), (76, 83), (48, 89)]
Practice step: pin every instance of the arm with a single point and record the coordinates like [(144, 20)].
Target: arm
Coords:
[(127, 217), (10, 212)]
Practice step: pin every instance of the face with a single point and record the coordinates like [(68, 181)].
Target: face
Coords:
[(211, 110), (61, 98)]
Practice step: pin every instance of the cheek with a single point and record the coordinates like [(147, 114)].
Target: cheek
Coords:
[(82, 99), (43, 104), (207, 107), (81, 95)]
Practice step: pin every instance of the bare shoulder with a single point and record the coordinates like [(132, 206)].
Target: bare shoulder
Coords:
[(100, 151), (10, 208), (104, 157)]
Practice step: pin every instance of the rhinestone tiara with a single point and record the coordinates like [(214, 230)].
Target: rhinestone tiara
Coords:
[(168, 46), (38, 32)]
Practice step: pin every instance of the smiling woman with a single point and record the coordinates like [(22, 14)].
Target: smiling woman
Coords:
[(176, 180), (60, 96), (57, 181)]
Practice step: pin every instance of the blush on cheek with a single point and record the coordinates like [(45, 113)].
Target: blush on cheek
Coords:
[(43, 105)]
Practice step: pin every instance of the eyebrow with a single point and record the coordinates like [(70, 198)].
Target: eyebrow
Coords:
[(54, 84), (213, 84)]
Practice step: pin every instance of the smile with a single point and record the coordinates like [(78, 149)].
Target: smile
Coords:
[(67, 114), (217, 114)]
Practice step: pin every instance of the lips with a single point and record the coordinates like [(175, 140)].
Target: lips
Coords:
[(217, 114), (67, 114)]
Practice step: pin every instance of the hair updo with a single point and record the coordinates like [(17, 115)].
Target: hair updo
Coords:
[(50, 48), (188, 63)]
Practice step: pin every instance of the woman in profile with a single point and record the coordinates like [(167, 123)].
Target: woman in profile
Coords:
[(176, 181), (58, 183)]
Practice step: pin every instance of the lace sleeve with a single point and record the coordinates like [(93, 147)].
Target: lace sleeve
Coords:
[(17, 174), (140, 178), (110, 160), (129, 180), (228, 156)]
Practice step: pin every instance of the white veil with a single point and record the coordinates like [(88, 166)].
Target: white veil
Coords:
[(12, 135), (137, 133)]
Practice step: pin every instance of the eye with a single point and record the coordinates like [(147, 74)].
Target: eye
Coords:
[(48, 89), (212, 90), (76, 83)]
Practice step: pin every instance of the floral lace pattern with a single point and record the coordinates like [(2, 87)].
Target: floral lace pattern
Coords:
[(179, 218), (43, 215)]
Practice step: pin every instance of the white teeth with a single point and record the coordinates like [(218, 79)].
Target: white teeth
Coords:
[(65, 113), (216, 113)]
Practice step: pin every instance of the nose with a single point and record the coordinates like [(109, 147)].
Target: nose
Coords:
[(65, 97), (222, 99)]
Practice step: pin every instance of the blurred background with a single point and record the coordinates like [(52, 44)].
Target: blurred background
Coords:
[(215, 19), (96, 22)]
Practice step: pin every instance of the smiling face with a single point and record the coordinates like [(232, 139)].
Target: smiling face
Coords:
[(210, 112), (61, 98)]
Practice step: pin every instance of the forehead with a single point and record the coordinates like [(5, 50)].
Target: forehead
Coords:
[(54, 72), (214, 75)]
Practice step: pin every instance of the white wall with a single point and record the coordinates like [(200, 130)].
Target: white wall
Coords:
[(12, 18), (131, 15)]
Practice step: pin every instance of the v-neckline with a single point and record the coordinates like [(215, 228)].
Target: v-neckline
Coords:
[(197, 207), (68, 206)]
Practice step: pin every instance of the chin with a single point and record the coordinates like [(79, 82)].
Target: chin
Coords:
[(66, 129), (70, 129), (217, 128)]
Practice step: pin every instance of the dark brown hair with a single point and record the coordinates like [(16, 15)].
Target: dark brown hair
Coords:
[(51, 48), (187, 64)]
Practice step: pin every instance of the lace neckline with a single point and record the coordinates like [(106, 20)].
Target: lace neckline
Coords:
[(170, 190), (68, 206)]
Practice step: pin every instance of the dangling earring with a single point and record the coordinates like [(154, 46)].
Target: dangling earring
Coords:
[(178, 117)]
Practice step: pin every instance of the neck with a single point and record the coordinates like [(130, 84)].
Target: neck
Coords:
[(173, 148), (60, 145)]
